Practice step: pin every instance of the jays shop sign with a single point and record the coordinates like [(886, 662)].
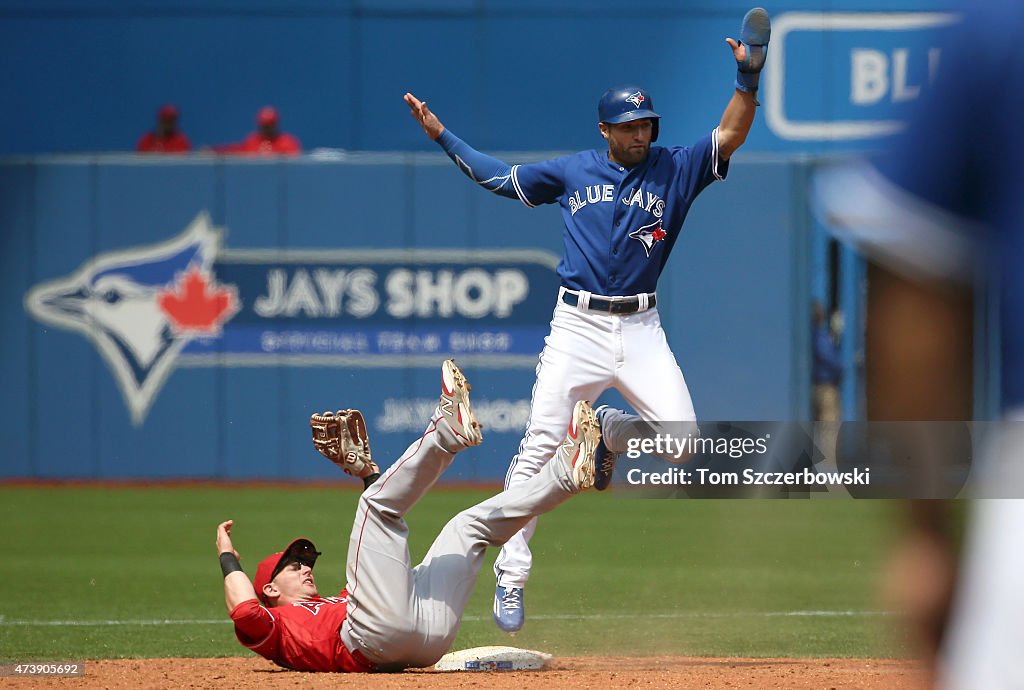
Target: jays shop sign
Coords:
[(849, 76), (190, 302)]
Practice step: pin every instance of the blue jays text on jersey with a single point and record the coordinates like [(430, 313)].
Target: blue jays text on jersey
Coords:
[(595, 194), (620, 224)]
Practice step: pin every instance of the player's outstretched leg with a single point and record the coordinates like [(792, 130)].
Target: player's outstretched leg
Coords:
[(577, 451), (445, 578), (452, 428), (380, 582)]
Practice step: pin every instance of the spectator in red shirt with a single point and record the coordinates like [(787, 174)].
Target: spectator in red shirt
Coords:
[(268, 139), (165, 137), (392, 615)]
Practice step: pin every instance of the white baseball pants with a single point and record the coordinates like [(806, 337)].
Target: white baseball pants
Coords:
[(585, 354)]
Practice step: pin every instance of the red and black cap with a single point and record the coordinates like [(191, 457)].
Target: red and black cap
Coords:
[(300, 550)]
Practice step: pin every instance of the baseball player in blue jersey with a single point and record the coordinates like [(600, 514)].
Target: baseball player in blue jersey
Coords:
[(948, 193), (623, 210)]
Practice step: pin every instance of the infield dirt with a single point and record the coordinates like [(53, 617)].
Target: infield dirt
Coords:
[(577, 672)]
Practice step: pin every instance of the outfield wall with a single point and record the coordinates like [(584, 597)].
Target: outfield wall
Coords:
[(325, 283)]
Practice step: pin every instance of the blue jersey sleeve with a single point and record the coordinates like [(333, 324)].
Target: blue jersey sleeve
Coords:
[(533, 184), (540, 183), (700, 165), (490, 173)]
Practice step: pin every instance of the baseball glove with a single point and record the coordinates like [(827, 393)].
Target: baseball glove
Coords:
[(341, 438)]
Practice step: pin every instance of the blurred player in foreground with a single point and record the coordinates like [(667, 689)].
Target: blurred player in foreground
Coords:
[(954, 185), (392, 615), (623, 209)]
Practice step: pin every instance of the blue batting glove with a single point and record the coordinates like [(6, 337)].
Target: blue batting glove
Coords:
[(755, 32)]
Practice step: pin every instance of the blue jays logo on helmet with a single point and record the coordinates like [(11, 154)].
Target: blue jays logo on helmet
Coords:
[(625, 104)]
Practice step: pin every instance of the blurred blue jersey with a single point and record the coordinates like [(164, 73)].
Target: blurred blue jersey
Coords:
[(964, 152)]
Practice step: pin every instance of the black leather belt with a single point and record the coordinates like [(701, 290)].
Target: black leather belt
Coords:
[(618, 305)]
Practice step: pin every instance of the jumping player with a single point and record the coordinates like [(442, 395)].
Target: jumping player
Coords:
[(623, 210), (391, 615)]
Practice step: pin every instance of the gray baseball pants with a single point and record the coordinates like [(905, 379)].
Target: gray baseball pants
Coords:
[(400, 616)]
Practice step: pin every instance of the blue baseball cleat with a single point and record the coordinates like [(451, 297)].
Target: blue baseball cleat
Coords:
[(604, 459), (508, 608)]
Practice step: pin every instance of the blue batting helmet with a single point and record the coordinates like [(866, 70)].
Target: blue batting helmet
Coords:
[(627, 103)]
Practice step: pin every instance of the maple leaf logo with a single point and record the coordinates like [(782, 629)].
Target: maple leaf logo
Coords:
[(196, 304)]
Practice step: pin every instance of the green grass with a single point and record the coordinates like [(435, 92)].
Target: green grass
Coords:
[(611, 576)]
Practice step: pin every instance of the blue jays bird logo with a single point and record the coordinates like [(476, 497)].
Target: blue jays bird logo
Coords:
[(140, 307), (649, 235), (636, 99)]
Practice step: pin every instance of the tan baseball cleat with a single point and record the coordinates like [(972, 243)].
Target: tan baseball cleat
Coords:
[(454, 405), (577, 450)]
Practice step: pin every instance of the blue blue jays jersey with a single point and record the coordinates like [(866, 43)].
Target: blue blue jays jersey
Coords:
[(963, 153), (620, 223)]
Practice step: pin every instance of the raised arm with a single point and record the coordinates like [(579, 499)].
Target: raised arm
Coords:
[(490, 173), (736, 122), (237, 587), (750, 53)]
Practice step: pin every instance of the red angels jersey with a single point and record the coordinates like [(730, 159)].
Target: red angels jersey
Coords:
[(176, 143), (284, 143), (303, 636)]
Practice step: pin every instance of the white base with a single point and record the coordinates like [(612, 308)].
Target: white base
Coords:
[(493, 659)]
